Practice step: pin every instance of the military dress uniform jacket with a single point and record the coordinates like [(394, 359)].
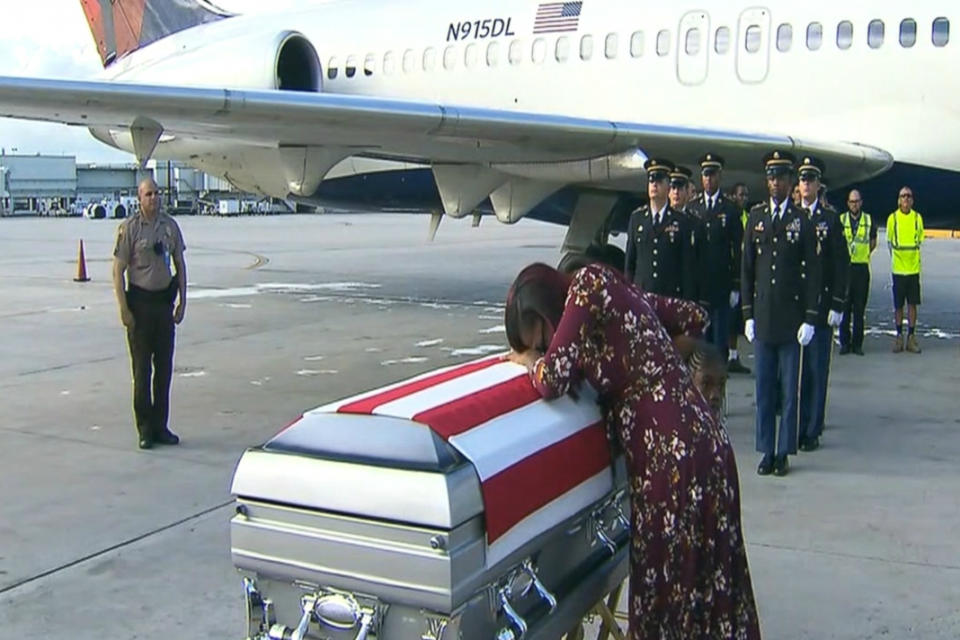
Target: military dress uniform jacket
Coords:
[(780, 280), (719, 239), (661, 257), (834, 261)]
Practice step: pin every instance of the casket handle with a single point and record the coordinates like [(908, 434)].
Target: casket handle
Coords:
[(542, 591), (515, 618), (602, 536)]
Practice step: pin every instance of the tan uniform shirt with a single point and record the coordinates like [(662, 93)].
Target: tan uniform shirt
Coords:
[(148, 267)]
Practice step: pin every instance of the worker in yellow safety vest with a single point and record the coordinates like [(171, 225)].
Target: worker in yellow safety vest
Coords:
[(904, 237), (861, 235)]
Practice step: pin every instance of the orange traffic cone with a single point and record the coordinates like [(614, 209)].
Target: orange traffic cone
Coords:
[(81, 266)]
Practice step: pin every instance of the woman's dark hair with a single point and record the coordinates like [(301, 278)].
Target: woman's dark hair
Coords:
[(537, 294), (609, 254), (706, 356)]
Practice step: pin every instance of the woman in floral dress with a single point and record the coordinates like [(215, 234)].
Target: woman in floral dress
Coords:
[(688, 566)]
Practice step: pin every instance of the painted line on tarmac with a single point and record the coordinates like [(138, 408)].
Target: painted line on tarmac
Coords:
[(947, 234), (119, 545)]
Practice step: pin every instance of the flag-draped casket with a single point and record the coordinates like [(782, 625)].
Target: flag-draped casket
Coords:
[(456, 504)]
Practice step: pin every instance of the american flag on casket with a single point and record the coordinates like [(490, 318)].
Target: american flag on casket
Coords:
[(539, 462)]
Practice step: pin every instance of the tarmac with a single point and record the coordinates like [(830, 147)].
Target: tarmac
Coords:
[(101, 540)]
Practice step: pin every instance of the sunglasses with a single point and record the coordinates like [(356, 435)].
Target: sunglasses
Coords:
[(657, 176), (709, 173), (678, 184), (906, 195), (809, 177), (853, 201)]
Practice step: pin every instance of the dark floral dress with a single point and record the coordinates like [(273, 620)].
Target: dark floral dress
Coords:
[(688, 566)]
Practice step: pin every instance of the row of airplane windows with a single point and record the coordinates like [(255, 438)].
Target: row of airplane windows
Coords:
[(692, 46)]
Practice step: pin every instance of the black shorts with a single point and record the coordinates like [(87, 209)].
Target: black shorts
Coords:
[(906, 289)]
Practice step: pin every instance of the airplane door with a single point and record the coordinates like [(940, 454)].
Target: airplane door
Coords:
[(692, 47), (753, 45)]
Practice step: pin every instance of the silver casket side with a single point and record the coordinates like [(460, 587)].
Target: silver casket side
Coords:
[(385, 515)]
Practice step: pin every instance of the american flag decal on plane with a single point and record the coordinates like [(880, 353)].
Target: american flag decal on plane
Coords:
[(539, 462), (557, 17)]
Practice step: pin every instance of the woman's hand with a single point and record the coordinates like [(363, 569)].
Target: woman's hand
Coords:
[(527, 358)]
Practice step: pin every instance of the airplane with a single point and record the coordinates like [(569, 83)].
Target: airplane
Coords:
[(519, 108)]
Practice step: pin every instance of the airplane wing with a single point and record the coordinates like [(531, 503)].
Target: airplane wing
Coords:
[(471, 149)]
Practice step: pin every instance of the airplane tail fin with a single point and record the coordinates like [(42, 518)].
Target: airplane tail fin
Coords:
[(122, 26)]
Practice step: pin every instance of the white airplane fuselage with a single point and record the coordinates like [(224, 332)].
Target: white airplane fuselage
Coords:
[(728, 67)]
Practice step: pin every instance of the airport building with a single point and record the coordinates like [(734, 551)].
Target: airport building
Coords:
[(59, 185)]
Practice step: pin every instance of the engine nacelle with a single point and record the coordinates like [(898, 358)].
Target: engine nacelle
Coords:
[(232, 60)]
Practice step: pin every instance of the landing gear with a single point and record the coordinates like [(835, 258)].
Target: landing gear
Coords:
[(587, 238)]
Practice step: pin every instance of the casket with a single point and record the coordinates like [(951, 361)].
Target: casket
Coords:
[(457, 504)]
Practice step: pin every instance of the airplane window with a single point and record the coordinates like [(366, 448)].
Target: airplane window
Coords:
[(721, 41), (539, 52), (429, 59), (692, 42), (636, 44), (941, 32), (332, 69), (515, 53), (586, 47), (470, 55), (408, 61), (350, 69), (493, 53), (389, 63), (450, 58), (562, 52), (663, 42), (752, 40), (908, 32), (369, 65), (875, 34), (844, 34), (611, 46), (814, 36), (784, 37)]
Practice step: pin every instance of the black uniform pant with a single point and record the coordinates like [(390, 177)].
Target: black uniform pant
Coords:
[(151, 353), (856, 307)]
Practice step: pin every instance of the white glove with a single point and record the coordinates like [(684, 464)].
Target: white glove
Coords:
[(750, 330), (834, 318), (805, 334), (734, 298)]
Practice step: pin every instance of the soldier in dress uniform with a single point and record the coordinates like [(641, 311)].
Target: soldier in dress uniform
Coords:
[(660, 252), (719, 242), (780, 283), (834, 260), (680, 190)]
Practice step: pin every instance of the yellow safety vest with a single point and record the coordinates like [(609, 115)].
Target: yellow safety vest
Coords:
[(859, 244), (743, 219), (904, 235)]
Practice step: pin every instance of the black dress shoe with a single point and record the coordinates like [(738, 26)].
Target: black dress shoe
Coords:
[(146, 443), (810, 444), (858, 351), (780, 466), (766, 466), (844, 350), (735, 366), (167, 437)]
